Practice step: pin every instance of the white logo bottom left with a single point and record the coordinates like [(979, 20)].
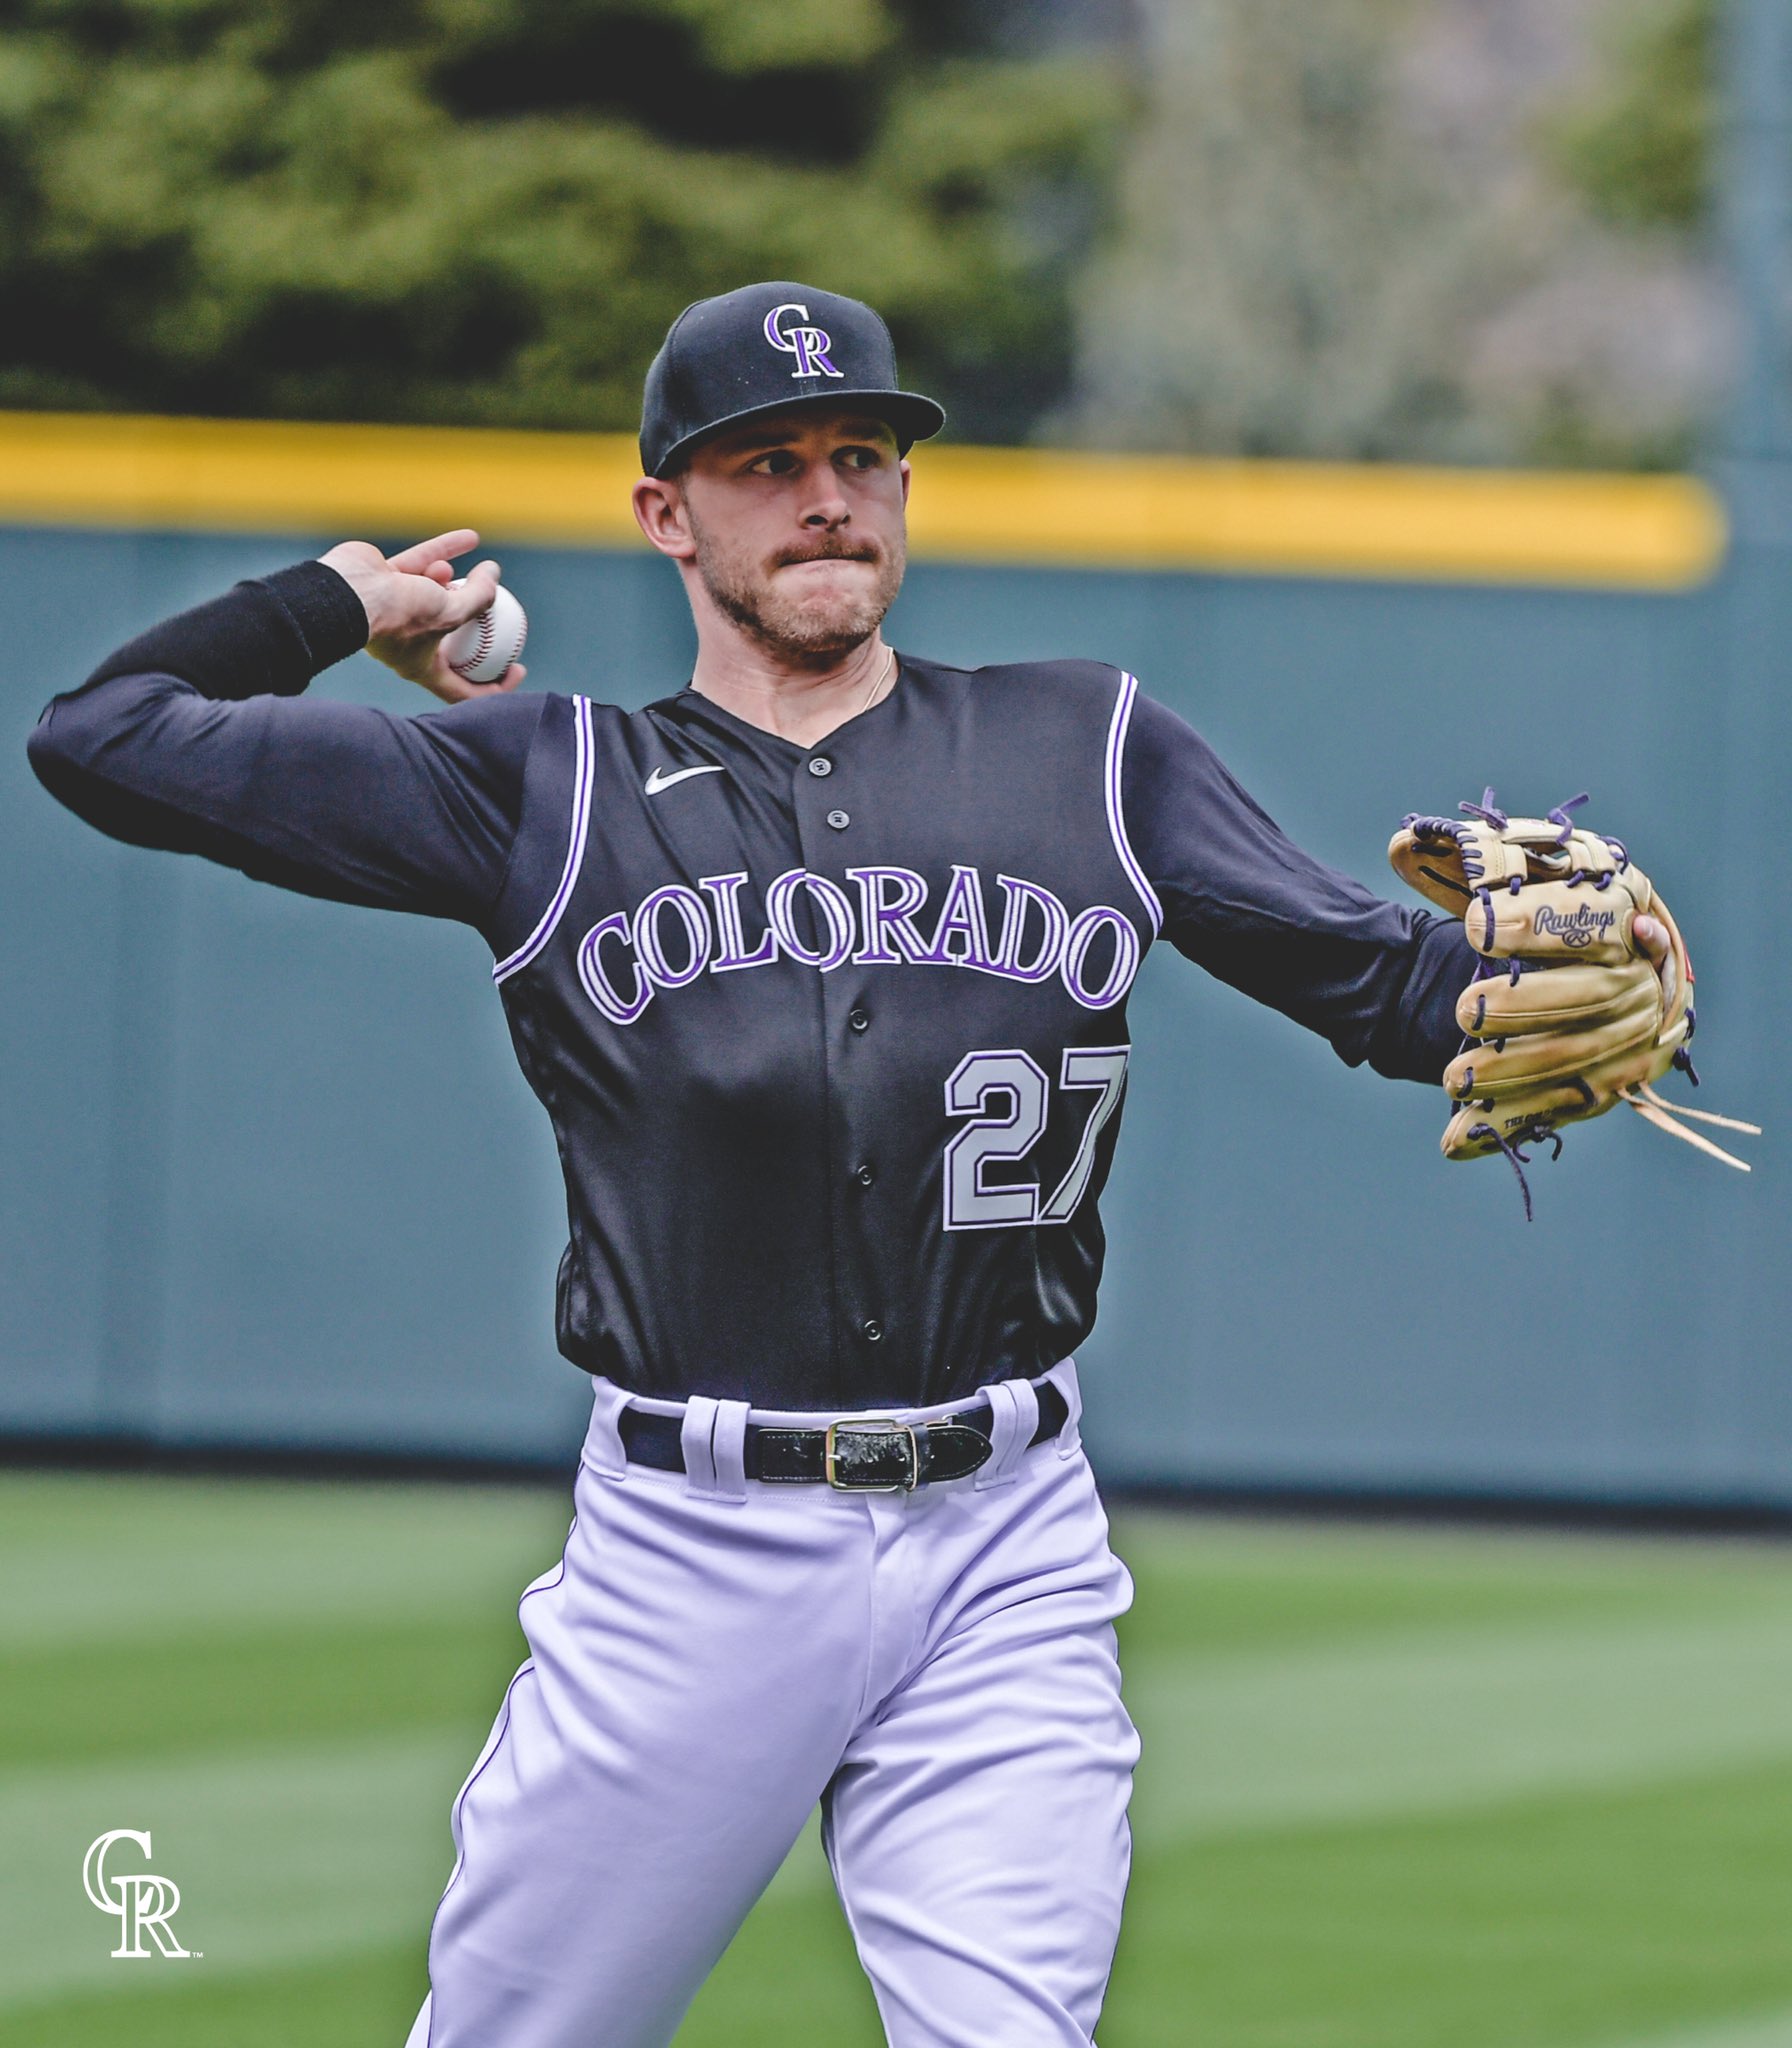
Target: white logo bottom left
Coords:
[(142, 1901)]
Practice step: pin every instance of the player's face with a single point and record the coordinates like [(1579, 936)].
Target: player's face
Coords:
[(798, 529)]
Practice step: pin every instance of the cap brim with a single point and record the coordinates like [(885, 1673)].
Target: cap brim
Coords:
[(914, 418)]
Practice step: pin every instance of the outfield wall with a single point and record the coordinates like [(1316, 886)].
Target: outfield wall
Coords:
[(271, 1178)]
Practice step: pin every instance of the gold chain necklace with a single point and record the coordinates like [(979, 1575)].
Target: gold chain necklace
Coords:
[(878, 681)]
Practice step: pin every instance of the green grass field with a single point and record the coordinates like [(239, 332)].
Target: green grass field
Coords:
[(1400, 1790)]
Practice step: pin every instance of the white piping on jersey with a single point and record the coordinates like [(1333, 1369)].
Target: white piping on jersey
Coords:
[(582, 778), (1123, 702)]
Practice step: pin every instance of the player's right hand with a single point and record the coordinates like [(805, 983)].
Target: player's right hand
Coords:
[(411, 610)]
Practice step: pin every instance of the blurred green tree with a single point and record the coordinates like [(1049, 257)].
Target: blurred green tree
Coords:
[(1409, 229), (1298, 263), (1639, 147), (490, 210)]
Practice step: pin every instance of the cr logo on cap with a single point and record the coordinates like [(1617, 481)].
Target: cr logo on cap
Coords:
[(808, 344)]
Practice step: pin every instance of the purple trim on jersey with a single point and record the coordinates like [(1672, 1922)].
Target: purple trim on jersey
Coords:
[(733, 950), (1125, 963), (1056, 920), (876, 916), (582, 777), (1123, 702), (693, 913), (961, 917), (619, 1009), (834, 906)]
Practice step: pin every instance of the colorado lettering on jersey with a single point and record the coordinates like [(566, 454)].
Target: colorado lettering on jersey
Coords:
[(678, 933)]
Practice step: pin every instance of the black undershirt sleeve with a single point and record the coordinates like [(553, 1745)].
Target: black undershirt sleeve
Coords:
[(192, 738), (1242, 900)]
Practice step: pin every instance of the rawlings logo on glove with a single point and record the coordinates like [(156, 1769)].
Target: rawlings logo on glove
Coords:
[(1581, 929), (1566, 1015)]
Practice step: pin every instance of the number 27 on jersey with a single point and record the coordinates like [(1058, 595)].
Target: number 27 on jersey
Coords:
[(1006, 1099)]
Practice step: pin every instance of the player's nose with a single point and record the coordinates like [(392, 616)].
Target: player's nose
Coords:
[(827, 506)]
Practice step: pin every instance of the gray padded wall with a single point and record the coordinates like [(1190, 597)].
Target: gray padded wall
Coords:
[(271, 1178)]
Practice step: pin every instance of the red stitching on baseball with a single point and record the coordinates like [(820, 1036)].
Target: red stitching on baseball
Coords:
[(488, 632)]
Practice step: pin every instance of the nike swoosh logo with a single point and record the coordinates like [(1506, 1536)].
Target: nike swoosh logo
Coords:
[(659, 779)]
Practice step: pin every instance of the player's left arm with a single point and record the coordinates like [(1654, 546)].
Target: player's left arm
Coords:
[(1377, 979)]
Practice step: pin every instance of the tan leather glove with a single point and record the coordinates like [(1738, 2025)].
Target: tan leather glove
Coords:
[(1566, 1015)]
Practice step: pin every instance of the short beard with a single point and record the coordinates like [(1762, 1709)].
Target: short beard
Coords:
[(812, 629)]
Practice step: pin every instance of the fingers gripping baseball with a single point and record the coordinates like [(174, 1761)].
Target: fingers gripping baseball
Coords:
[(414, 601)]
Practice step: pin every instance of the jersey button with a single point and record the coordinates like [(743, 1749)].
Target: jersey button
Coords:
[(874, 1331), (866, 1175), (821, 765), (839, 820), (860, 1020)]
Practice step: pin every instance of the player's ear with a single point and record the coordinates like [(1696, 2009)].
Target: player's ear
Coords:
[(906, 473), (660, 514)]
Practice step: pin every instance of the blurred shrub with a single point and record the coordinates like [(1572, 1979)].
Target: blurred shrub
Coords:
[(1405, 229), (1640, 145), (1298, 260), (490, 210)]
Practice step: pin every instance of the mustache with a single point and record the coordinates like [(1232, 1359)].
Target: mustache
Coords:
[(828, 551)]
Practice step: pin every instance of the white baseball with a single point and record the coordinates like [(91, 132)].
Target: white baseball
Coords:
[(483, 649)]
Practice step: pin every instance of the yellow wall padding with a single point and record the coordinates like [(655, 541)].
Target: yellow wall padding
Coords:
[(1024, 506)]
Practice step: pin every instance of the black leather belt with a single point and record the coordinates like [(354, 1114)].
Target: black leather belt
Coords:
[(874, 1455)]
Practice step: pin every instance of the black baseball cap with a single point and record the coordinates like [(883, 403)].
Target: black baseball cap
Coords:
[(763, 349)]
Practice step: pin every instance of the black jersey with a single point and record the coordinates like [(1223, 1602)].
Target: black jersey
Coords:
[(833, 1038)]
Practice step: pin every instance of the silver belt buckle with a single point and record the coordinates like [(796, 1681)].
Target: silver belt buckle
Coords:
[(871, 1425)]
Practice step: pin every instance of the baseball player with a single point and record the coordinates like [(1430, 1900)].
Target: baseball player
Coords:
[(819, 966)]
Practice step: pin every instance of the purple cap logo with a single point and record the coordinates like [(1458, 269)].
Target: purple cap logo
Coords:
[(808, 344)]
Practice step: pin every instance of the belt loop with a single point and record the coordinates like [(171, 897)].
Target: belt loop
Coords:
[(1064, 1377), (696, 1434), (603, 1439), (1013, 1417), (729, 1448), (714, 1436)]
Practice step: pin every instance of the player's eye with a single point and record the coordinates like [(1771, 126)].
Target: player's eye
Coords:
[(774, 462), (861, 458)]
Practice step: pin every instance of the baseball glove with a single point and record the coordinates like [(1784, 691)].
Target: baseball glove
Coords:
[(1566, 1015)]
